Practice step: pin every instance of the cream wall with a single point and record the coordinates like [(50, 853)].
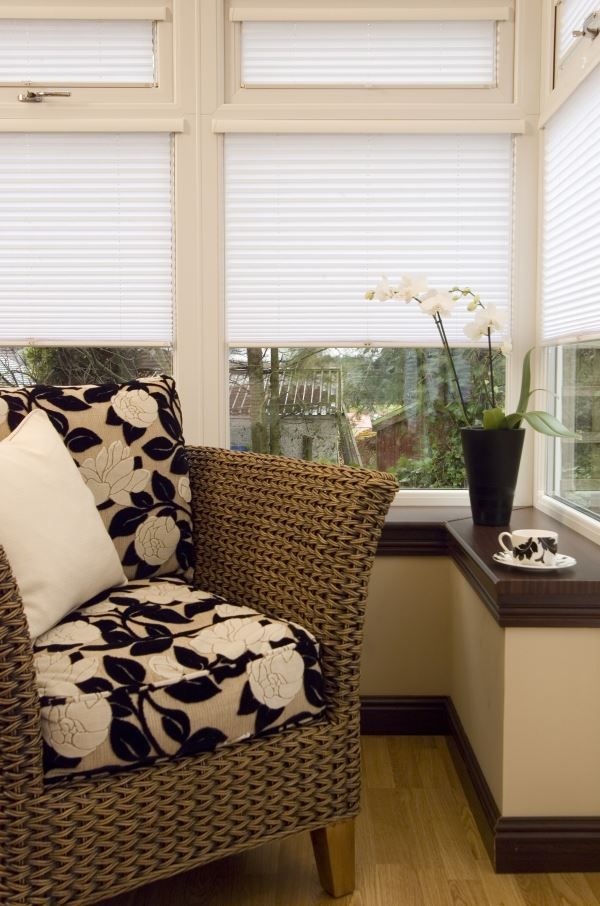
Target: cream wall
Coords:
[(552, 722), (477, 677), (407, 627), (527, 698)]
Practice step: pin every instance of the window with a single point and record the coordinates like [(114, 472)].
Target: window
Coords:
[(571, 16), (86, 255), (369, 53), (302, 53), (574, 467), (76, 51), (571, 292), (312, 221), (384, 408)]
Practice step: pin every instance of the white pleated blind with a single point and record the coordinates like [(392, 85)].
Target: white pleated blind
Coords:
[(77, 51), (572, 16), (369, 53), (571, 246), (312, 221), (86, 223)]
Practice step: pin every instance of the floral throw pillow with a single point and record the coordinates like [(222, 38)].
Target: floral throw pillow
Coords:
[(127, 441)]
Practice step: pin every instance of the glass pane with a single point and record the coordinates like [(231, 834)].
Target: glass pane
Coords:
[(382, 408), (573, 14), (345, 54), (87, 227), (574, 471), (66, 365), (76, 52)]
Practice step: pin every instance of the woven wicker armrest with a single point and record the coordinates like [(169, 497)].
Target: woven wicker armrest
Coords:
[(20, 739), (294, 539)]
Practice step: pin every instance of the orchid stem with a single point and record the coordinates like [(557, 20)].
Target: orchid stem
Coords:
[(440, 326), (491, 361)]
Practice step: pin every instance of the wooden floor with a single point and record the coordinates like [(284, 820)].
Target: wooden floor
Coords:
[(417, 845)]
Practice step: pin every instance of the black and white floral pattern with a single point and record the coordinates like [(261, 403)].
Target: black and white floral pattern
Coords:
[(162, 669), (128, 443), (534, 549)]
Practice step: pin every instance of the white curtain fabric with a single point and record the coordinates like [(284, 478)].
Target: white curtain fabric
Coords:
[(86, 238), (312, 221), (572, 14), (571, 239), (369, 53), (77, 51)]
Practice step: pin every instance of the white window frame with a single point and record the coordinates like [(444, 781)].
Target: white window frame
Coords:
[(199, 112), (238, 11), (553, 96), (577, 55), (177, 115), (301, 110), (560, 80), (161, 14)]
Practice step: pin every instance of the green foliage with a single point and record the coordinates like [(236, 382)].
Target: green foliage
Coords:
[(443, 468), (65, 365)]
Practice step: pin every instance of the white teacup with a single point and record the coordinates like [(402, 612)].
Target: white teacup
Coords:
[(535, 547)]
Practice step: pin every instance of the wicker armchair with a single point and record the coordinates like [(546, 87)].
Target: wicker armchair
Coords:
[(296, 540)]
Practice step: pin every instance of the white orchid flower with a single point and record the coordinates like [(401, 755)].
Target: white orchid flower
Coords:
[(474, 331), (437, 303), (506, 348), (383, 290), (412, 285), (491, 318)]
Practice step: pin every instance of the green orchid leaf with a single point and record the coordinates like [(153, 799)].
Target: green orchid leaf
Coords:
[(513, 420), (525, 382), (547, 424), (493, 419)]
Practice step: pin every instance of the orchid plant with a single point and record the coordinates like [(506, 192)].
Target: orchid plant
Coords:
[(488, 319)]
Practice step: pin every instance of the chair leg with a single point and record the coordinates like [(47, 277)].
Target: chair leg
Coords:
[(333, 847)]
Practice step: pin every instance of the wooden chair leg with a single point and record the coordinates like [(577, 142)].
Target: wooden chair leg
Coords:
[(333, 847)]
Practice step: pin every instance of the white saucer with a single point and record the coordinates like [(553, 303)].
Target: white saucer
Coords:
[(506, 559)]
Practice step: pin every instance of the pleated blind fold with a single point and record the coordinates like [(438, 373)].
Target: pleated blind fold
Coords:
[(572, 16), (369, 53), (571, 244), (77, 51), (312, 221), (86, 224)]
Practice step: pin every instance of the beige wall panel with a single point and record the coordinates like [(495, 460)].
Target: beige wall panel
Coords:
[(477, 677), (552, 722), (406, 649)]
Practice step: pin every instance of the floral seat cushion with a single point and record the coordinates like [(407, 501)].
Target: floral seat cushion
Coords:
[(127, 441), (160, 669)]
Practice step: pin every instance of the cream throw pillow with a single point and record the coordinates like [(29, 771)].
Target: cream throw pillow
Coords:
[(55, 541)]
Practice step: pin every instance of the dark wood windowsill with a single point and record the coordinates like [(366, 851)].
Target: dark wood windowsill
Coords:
[(567, 598)]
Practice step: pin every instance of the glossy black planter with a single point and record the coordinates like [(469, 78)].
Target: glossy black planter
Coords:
[(492, 461)]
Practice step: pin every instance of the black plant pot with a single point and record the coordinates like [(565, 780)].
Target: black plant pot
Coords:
[(492, 461)]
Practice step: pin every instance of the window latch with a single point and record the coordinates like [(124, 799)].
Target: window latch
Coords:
[(36, 97), (590, 28)]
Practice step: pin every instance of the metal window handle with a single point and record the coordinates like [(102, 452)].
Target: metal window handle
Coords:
[(590, 28), (35, 97)]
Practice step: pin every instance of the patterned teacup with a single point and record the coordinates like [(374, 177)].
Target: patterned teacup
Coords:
[(535, 547)]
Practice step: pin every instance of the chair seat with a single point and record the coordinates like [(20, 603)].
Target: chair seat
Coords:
[(159, 669)]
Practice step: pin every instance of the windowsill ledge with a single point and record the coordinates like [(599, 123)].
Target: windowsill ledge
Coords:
[(570, 598)]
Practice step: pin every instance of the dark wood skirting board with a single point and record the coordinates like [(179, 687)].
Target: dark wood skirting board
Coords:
[(479, 796), (514, 845), (566, 598), (411, 715), (547, 844)]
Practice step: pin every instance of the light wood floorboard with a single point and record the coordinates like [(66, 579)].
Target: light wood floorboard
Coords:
[(417, 845)]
